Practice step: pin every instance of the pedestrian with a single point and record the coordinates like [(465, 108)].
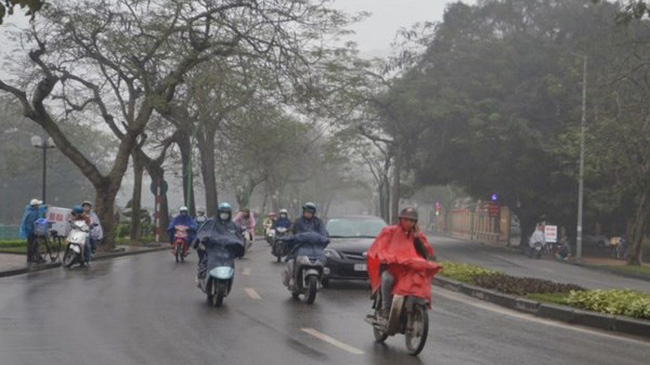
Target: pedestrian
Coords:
[(34, 211), (536, 239), (96, 232)]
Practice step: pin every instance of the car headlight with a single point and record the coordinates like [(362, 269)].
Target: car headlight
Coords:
[(329, 253)]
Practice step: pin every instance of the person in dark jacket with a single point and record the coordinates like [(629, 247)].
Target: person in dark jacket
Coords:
[(222, 224), (308, 222), (283, 220), (34, 211)]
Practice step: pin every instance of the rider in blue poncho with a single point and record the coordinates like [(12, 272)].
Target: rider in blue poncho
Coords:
[(33, 211), (182, 219)]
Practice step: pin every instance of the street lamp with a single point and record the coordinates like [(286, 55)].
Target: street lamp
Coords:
[(582, 160), (43, 144)]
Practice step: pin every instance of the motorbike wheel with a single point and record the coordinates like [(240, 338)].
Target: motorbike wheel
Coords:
[(218, 300), (177, 253), (417, 337), (69, 258), (278, 258), (312, 283)]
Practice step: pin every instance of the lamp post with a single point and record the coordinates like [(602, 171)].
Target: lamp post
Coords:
[(44, 144), (582, 160)]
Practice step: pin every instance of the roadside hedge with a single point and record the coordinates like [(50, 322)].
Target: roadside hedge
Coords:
[(618, 302), (522, 286), (621, 302)]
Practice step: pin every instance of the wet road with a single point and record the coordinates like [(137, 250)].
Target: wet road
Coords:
[(146, 310)]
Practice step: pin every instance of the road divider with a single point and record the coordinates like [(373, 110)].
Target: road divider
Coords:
[(620, 324), (332, 341)]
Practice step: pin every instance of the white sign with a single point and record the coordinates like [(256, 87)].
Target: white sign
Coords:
[(550, 234), (59, 218)]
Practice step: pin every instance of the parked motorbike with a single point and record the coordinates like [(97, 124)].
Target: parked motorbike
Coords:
[(279, 247), (76, 243), (537, 249), (221, 252), (408, 314), (303, 275), (181, 237)]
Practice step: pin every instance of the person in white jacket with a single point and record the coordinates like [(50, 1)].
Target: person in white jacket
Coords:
[(96, 233), (537, 237)]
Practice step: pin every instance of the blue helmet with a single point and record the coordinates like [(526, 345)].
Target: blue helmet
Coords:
[(225, 207), (77, 209)]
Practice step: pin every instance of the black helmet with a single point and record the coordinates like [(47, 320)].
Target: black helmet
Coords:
[(409, 213), (309, 206)]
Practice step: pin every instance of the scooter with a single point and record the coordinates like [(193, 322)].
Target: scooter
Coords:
[(537, 249), (279, 247), (221, 253), (248, 239), (303, 275), (408, 314), (76, 244), (181, 236)]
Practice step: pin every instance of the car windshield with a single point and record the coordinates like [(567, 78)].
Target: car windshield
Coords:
[(355, 227)]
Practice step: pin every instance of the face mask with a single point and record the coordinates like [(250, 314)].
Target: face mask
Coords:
[(283, 216), (224, 216)]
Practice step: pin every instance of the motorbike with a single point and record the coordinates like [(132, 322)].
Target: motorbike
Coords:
[(221, 252), (76, 243), (537, 250), (408, 314), (279, 247), (248, 239), (181, 236), (303, 275)]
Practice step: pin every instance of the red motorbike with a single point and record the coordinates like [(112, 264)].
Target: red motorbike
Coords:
[(181, 237)]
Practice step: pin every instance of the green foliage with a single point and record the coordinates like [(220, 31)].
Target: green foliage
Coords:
[(464, 272), (522, 286), (13, 243), (623, 302)]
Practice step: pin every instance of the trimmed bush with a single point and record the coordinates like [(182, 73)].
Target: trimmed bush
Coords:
[(522, 286), (463, 272), (622, 302)]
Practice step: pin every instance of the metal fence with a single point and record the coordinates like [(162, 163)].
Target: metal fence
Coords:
[(9, 232)]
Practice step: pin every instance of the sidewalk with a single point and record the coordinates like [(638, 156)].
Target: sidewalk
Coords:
[(15, 264), (511, 261)]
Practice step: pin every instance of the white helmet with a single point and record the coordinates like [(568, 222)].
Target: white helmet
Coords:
[(284, 211), (184, 209), (35, 202)]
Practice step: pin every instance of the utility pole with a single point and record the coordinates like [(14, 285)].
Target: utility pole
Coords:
[(582, 160), (395, 194)]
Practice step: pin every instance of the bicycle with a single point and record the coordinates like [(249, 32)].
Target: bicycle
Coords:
[(45, 245)]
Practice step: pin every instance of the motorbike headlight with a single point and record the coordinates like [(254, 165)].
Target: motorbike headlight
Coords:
[(329, 253)]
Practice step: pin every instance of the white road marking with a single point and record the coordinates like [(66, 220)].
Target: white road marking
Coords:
[(252, 293), (246, 271), (332, 341), (527, 317)]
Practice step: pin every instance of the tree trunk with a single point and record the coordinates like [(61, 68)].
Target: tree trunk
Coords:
[(208, 166), (136, 199), (396, 184), (185, 146), (634, 250), (104, 207)]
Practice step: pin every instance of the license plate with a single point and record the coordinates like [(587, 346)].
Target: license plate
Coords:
[(360, 267)]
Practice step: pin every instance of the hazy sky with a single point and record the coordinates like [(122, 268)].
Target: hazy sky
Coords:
[(375, 34)]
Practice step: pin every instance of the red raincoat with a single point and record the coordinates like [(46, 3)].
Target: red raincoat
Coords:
[(413, 274)]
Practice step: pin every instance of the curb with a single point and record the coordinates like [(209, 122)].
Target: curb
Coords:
[(107, 256), (619, 324)]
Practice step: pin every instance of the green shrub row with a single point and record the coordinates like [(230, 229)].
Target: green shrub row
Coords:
[(622, 302), (13, 243), (522, 286)]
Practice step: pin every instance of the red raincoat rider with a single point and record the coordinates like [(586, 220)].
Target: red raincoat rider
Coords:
[(399, 261)]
